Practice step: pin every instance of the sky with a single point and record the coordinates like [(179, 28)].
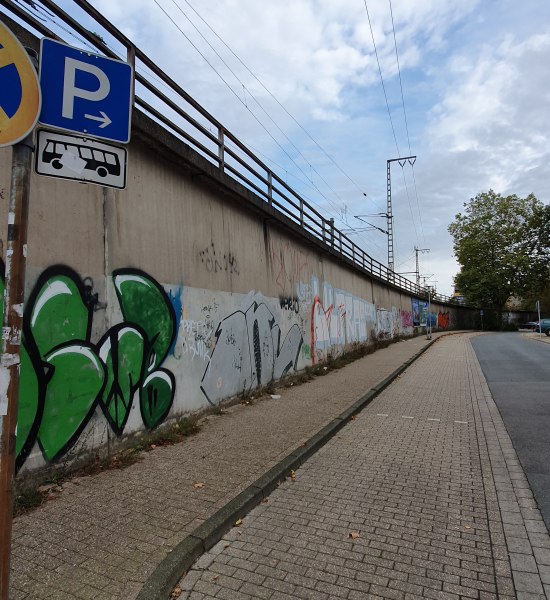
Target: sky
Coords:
[(300, 83)]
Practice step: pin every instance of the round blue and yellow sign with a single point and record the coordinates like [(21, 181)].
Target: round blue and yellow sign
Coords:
[(19, 90)]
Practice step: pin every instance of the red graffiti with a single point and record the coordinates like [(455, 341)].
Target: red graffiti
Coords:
[(443, 320)]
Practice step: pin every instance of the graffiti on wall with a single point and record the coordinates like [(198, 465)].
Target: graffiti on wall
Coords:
[(216, 262), (387, 323), (249, 352), (288, 263), (339, 318), (288, 303), (64, 376), (443, 320), (406, 319)]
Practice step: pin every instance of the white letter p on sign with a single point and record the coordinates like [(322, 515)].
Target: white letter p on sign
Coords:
[(70, 91)]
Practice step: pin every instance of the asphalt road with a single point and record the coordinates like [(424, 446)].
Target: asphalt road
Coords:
[(517, 369)]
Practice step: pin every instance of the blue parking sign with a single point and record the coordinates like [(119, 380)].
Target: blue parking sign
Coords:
[(84, 92)]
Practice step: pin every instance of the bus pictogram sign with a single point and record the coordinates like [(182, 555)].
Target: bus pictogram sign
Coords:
[(81, 159)]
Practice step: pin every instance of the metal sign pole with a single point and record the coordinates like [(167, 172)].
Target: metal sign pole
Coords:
[(16, 253)]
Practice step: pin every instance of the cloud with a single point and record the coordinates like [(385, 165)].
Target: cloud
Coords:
[(475, 83)]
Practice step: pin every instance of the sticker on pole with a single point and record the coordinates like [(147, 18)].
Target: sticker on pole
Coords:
[(85, 93), (80, 159), (19, 90)]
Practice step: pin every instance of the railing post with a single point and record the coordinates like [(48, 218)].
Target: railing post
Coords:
[(221, 148), (270, 187), (131, 60), (301, 212)]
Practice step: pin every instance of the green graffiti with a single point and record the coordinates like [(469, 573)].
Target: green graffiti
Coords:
[(144, 303), (122, 352), (29, 407), (28, 410), (306, 351), (78, 380), (64, 376), (157, 395), (59, 314)]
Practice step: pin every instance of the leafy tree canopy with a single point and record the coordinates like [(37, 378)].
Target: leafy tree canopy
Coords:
[(502, 244)]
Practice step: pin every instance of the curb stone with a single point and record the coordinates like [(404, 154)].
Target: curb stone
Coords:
[(172, 568)]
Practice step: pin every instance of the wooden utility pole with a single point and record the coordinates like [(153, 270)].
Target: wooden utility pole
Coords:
[(16, 258)]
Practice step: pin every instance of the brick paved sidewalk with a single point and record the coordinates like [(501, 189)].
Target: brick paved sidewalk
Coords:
[(105, 534), (421, 496)]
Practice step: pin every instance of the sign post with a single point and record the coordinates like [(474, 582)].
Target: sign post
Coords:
[(19, 108)]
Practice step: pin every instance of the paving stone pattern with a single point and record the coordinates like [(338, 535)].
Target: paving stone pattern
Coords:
[(105, 534), (426, 482)]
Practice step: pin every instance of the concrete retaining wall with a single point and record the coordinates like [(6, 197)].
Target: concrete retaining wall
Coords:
[(163, 299)]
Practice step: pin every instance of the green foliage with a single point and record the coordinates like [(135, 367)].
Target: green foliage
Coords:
[(502, 244)]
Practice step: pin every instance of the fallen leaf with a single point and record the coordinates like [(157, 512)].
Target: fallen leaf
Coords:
[(176, 592), (215, 577), (353, 417), (467, 527), (46, 488), (293, 475), (354, 535), (265, 500), (198, 485), (238, 522), (153, 446)]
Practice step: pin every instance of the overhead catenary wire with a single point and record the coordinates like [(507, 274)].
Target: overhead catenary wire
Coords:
[(340, 216), (280, 104), (406, 122), (258, 103), (281, 147), (368, 242), (381, 78), (388, 105)]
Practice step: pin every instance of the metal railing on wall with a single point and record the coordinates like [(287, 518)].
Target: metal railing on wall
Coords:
[(164, 101)]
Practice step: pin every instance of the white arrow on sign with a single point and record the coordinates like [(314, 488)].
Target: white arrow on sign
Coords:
[(104, 119)]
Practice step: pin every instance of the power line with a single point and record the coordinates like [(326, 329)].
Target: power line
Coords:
[(382, 79), (276, 100), (400, 81), (245, 89), (241, 100), (406, 122)]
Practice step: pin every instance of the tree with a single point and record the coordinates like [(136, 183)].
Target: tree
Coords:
[(502, 244)]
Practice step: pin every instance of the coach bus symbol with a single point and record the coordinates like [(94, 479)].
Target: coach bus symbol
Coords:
[(101, 162)]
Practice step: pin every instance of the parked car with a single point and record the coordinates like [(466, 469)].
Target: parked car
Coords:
[(543, 326), (531, 325)]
